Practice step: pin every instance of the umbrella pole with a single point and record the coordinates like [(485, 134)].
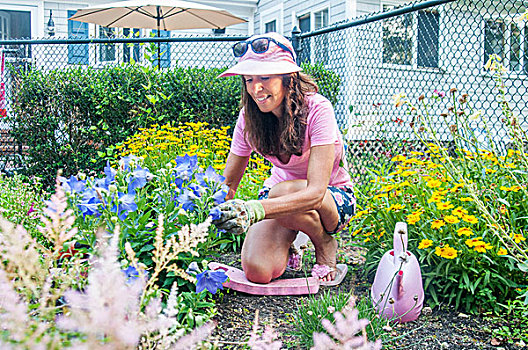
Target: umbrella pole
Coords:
[(158, 20)]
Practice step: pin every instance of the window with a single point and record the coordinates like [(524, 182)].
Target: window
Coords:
[(271, 26), (428, 39), (403, 47), (321, 41), (304, 26), (77, 53), (131, 51), (509, 41), (107, 52)]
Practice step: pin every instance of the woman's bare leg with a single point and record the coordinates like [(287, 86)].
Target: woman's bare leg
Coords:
[(265, 250)]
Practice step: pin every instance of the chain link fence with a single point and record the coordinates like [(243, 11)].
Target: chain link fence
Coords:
[(413, 49)]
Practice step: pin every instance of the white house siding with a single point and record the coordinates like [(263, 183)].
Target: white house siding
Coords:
[(53, 56), (368, 84)]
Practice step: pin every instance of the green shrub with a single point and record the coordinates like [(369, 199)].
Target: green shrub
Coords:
[(66, 116)]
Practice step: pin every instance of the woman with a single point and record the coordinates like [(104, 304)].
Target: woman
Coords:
[(309, 190)]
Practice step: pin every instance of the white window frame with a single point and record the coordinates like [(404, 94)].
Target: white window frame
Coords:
[(312, 25), (508, 21), (414, 39), (274, 13)]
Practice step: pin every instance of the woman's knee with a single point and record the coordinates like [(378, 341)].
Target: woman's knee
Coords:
[(287, 187), (257, 272)]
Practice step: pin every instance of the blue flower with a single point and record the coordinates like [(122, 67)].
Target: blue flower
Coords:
[(186, 166), (210, 280), (215, 213), (109, 172), (138, 179), (125, 204), (186, 199), (131, 274), (209, 178), (89, 203), (193, 268), (219, 196), (72, 184)]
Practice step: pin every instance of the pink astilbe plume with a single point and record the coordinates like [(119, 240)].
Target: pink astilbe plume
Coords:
[(58, 220), (266, 341), (13, 310), (107, 310), (344, 333), (21, 259)]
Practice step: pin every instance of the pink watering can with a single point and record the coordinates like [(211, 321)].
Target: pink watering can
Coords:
[(397, 291)]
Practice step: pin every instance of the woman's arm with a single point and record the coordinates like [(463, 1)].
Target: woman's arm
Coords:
[(233, 172), (320, 166)]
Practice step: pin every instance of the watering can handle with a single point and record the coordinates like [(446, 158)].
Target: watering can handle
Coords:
[(400, 239)]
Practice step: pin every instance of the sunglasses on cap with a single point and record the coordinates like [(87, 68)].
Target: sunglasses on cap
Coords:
[(258, 45)]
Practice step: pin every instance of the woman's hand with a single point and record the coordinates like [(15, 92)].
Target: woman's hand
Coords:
[(236, 215)]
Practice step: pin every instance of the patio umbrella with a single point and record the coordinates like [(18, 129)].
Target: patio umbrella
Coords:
[(157, 14)]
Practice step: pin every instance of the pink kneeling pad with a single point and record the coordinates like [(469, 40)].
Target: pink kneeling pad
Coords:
[(397, 291)]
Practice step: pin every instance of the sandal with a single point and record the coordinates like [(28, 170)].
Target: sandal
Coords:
[(321, 271)]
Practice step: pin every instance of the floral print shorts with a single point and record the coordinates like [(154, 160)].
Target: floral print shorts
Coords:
[(344, 199)]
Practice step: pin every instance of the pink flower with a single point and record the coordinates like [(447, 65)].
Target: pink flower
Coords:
[(31, 209), (321, 271), (339, 198)]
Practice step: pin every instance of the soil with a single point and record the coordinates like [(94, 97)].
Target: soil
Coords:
[(439, 328)]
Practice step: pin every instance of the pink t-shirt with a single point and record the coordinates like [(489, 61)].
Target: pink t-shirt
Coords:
[(321, 129)]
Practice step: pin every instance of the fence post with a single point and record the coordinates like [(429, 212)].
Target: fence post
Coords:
[(296, 38)]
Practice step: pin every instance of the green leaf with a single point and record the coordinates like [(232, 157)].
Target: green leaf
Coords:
[(523, 266)]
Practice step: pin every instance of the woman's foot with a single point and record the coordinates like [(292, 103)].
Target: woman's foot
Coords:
[(326, 254)]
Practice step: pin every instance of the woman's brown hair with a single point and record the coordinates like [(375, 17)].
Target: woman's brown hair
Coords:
[(278, 136)]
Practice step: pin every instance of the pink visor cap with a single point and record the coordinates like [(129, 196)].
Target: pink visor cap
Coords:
[(275, 60)]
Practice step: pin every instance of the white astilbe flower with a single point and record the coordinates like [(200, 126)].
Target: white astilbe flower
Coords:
[(58, 220), (13, 310), (21, 259), (107, 310), (197, 336), (266, 341), (166, 251), (347, 326)]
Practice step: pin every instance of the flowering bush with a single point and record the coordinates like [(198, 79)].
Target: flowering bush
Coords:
[(160, 145), (21, 201), (466, 206)]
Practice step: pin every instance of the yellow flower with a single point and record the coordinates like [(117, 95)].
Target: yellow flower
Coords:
[(518, 238), (466, 199), (425, 243), (433, 183), (398, 158), (379, 196), (357, 231), (413, 219), (387, 188), (467, 231), (395, 207), (444, 206), (481, 247), (399, 99), (472, 242), (451, 219), (459, 211), (446, 252), (437, 224), (502, 251), (470, 219), (435, 198)]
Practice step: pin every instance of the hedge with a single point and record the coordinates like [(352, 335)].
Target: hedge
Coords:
[(66, 116)]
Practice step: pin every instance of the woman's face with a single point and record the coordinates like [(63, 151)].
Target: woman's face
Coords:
[(267, 91)]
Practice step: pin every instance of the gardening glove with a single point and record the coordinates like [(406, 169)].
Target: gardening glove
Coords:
[(237, 215)]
